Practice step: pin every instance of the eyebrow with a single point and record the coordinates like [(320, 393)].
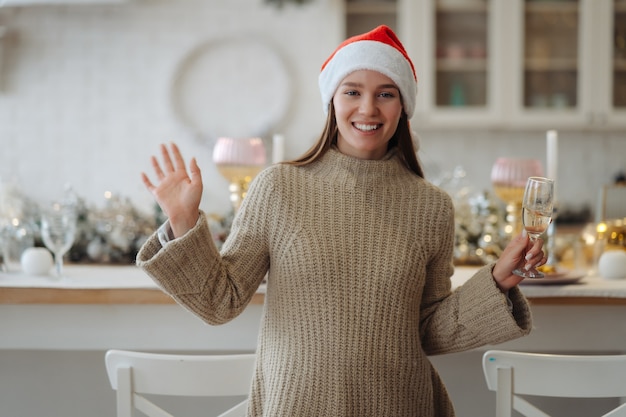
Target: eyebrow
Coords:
[(353, 84)]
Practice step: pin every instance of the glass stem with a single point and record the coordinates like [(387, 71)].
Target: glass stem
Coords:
[(58, 264), (532, 238)]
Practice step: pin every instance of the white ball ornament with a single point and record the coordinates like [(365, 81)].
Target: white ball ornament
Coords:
[(612, 264), (36, 261)]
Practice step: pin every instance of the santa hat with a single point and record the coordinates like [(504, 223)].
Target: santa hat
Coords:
[(378, 50)]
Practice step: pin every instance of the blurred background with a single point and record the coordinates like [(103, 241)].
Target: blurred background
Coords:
[(89, 90)]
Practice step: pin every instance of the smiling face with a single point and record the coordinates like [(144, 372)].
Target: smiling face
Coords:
[(367, 108)]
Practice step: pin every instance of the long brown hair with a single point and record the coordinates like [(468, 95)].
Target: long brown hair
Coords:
[(402, 139)]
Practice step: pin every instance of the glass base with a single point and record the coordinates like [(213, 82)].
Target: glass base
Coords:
[(531, 273)]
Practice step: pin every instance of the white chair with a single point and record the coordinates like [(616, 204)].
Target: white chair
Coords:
[(511, 374), (134, 374)]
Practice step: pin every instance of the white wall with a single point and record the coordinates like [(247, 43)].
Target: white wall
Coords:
[(85, 93), (85, 98)]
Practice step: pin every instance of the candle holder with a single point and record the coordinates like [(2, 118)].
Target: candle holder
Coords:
[(508, 176), (239, 161)]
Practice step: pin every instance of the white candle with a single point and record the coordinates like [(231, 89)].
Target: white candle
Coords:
[(278, 148), (552, 155)]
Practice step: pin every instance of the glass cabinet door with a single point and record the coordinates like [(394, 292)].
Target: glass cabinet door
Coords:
[(461, 47), (458, 54), (608, 81), (555, 63), (551, 48), (364, 15), (619, 55)]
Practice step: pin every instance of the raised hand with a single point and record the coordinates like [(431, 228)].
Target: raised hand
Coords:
[(177, 192)]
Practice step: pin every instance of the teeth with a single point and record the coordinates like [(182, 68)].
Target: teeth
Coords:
[(366, 128)]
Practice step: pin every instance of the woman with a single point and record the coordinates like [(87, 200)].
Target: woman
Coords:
[(358, 248)]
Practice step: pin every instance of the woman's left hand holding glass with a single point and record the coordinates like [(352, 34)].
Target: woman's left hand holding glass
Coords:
[(519, 252)]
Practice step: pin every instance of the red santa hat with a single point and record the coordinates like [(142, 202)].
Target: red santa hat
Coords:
[(378, 50)]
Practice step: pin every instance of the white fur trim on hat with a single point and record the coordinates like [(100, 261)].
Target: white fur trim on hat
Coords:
[(369, 55)]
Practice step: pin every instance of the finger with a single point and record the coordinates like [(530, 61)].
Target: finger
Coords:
[(543, 261), (537, 258), (167, 160), (147, 182), (178, 157), (157, 168), (534, 248), (194, 169)]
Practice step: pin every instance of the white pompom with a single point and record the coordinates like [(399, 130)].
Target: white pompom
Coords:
[(36, 261), (612, 264)]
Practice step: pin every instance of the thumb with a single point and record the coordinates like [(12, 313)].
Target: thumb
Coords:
[(194, 170)]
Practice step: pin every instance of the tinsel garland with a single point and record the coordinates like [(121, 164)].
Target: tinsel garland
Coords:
[(112, 233), (478, 222)]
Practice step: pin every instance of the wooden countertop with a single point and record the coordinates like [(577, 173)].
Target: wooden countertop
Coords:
[(91, 296), (87, 284), (130, 285)]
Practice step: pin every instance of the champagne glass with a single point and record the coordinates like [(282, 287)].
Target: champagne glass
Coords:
[(239, 161), (508, 176), (537, 206), (58, 231)]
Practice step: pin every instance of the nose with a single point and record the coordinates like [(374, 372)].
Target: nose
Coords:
[(368, 105)]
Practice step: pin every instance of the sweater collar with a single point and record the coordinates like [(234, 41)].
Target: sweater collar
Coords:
[(338, 166)]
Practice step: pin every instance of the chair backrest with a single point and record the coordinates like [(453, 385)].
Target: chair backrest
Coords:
[(511, 374), (134, 374)]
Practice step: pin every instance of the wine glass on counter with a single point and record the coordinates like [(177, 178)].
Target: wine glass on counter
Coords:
[(537, 206), (58, 231)]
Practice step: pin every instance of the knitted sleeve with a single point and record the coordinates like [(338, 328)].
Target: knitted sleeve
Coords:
[(215, 286), (476, 313)]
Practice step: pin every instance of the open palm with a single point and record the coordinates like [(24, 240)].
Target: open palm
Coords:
[(177, 192)]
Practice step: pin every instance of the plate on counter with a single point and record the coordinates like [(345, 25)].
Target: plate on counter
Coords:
[(559, 277)]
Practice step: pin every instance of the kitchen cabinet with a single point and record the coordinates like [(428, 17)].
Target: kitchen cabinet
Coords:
[(363, 15), (612, 50), (564, 68), (510, 63), (458, 56)]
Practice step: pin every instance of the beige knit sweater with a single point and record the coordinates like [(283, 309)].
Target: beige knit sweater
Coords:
[(359, 255)]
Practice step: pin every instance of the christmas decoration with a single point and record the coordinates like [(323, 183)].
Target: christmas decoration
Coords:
[(479, 221), (113, 233)]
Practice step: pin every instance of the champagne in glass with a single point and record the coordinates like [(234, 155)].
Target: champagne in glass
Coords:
[(536, 222), (537, 206), (58, 231)]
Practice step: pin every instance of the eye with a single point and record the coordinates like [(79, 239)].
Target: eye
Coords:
[(387, 94), (351, 92)]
